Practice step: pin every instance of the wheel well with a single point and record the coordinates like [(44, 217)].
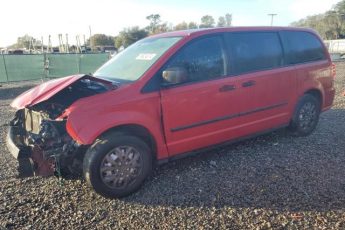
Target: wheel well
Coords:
[(317, 94), (138, 131)]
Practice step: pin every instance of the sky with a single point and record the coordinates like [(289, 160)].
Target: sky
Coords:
[(74, 17)]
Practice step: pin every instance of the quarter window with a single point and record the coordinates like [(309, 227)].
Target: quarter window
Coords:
[(202, 59), (302, 47), (253, 51)]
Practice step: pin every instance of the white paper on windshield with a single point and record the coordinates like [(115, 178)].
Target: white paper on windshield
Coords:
[(145, 57)]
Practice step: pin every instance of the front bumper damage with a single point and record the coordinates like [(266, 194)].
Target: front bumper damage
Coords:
[(37, 136), (41, 146), (22, 154)]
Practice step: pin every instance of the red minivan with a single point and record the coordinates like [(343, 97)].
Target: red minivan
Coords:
[(169, 95)]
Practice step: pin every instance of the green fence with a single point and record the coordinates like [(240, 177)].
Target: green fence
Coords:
[(61, 65), (39, 66), (3, 74), (24, 67), (90, 62)]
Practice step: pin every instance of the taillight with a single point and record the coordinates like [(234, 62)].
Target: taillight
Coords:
[(333, 70)]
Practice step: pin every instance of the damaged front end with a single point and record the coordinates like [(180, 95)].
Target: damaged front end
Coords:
[(40, 144), (37, 135)]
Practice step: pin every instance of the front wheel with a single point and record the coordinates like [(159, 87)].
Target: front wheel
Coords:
[(306, 116), (117, 164)]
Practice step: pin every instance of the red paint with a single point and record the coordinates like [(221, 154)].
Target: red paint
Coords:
[(43, 91), (42, 167), (163, 110), (48, 89)]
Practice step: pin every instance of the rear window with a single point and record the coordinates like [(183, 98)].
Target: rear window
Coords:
[(302, 47), (253, 51)]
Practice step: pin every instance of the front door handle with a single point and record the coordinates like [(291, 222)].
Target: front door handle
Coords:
[(248, 83), (226, 88)]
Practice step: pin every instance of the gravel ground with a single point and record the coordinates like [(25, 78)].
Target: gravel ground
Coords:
[(273, 181)]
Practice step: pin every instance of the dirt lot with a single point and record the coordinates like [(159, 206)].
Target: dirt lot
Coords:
[(273, 181)]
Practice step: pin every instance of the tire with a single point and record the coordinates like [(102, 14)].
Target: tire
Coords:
[(306, 116), (117, 164)]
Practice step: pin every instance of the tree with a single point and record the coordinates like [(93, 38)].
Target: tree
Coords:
[(330, 25), (221, 22), (100, 40), (128, 36), (228, 19), (192, 25), (154, 19), (25, 42), (181, 26), (161, 28), (207, 21)]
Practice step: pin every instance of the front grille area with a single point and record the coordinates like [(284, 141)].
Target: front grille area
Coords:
[(32, 121)]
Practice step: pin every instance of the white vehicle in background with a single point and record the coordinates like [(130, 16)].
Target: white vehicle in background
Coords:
[(336, 48)]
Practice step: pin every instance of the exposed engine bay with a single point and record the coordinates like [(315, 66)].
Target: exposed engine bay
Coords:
[(41, 135)]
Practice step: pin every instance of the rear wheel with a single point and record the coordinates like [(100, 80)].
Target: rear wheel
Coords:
[(306, 116), (117, 164)]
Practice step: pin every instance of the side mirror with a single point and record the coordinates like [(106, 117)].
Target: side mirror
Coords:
[(174, 75)]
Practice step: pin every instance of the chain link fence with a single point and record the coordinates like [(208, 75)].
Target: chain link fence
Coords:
[(40, 66)]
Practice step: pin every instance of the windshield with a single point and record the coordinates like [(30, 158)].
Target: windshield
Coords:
[(134, 61)]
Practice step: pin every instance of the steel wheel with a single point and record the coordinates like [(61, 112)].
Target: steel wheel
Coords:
[(117, 164), (121, 167), (307, 116)]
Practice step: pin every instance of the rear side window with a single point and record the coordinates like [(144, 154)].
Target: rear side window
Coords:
[(203, 59), (301, 47), (253, 51)]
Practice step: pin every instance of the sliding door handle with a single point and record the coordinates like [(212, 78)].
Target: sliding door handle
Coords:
[(248, 83), (226, 88)]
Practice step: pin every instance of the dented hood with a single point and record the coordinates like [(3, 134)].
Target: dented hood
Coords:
[(44, 91)]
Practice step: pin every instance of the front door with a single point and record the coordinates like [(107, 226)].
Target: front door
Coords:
[(204, 110)]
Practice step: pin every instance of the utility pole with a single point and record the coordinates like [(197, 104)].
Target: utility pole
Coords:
[(272, 16)]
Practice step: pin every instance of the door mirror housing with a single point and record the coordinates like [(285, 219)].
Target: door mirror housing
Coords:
[(174, 75)]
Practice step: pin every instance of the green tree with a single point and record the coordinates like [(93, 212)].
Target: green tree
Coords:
[(100, 40), (128, 36), (155, 20), (161, 28), (334, 25), (207, 21), (221, 22), (192, 25), (330, 25), (228, 19), (25, 42), (181, 26)]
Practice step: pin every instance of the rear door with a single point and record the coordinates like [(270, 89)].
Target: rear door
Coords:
[(257, 59), (306, 53)]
